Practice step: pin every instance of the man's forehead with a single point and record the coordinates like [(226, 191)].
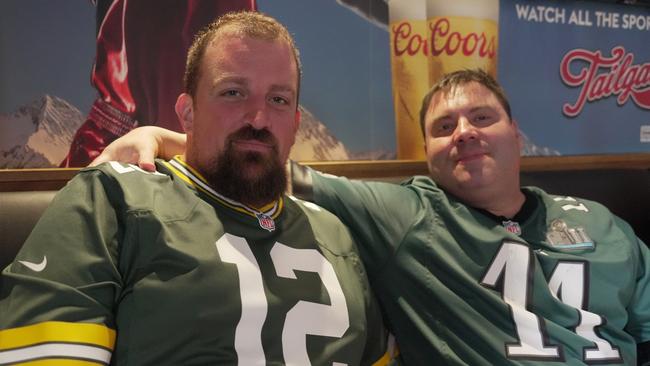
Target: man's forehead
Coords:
[(461, 95), (236, 45)]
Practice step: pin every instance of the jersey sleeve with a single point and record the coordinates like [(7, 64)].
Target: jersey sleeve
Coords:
[(378, 214), (57, 296), (376, 352), (639, 308)]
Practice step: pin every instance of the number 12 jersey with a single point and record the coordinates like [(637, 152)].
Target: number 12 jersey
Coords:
[(159, 269)]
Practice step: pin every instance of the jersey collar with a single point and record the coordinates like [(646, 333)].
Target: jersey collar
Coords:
[(192, 177), (525, 212)]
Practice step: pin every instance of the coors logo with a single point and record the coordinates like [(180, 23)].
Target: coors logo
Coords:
[(601, 76), (443, 39)]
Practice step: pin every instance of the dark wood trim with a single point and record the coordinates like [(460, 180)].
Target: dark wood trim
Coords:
[(48, 179), (583, 162), (405, 168), (35, 179)]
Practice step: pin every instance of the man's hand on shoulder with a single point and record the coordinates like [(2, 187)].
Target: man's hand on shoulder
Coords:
[(141, 146)]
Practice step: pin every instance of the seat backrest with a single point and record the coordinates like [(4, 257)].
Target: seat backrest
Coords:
[(626, 192), (19, 212)]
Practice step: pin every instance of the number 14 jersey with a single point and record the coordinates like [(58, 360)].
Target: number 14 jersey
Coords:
[(569, 284)]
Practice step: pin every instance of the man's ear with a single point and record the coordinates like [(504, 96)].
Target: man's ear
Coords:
[(185, 111), (520, 139), (297, 120)]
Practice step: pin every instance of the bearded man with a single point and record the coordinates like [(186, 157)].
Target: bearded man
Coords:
[(205, 261)]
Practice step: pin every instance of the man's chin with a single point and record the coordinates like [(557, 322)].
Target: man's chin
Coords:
[(253, 171)]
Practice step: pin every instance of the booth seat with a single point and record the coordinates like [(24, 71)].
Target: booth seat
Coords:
[(625, 191)]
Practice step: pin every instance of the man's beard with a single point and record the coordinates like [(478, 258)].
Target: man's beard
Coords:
[(231, 172)]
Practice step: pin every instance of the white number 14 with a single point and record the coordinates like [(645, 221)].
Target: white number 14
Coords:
[(567, 283)]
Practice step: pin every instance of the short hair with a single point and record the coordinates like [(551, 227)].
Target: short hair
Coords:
[(456, 78), (246, 23)]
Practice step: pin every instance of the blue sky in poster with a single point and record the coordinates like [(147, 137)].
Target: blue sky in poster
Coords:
[(530, 53), (48, 48)]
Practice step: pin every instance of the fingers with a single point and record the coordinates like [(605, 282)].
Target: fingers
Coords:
[(146, 160), (102, 158)]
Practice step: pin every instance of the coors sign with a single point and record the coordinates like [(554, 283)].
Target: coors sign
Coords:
[(430, 38)]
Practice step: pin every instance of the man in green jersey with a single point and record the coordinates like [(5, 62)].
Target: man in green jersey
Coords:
[(471, 268), (204, 262)]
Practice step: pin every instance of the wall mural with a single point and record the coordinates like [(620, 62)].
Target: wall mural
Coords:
[(83, 72)]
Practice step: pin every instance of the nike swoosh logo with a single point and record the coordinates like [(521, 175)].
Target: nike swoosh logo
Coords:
[(36, 267)]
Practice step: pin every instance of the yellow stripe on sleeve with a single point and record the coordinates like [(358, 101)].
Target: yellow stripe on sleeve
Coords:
[(61, 362), (54, 331), (392, 351)]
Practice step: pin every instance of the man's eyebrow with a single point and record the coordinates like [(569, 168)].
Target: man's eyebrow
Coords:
[(283, 88), (472, 110), (229, 79), (480, 108), (442, 117), (238, 80)]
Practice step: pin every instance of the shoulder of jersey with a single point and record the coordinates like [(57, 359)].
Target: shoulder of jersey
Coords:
[(325, 226), (124, 171), (308, 207), (126, 177), (422, 185), (142, 190), (571, 203), (588, 212)]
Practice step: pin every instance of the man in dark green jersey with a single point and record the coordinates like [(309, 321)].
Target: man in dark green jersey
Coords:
[(471, 268), (204, 262)]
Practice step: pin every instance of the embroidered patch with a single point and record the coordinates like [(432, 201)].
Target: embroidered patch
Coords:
[(265, 221), (561, 236), (512, 227)]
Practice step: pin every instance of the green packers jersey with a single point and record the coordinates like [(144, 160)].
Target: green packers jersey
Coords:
[(134, 268), (570, 284)]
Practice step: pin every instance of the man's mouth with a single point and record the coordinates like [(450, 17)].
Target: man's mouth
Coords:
[(468, 158), (252, 145)]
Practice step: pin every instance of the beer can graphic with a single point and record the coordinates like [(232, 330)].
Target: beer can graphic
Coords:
[(429, 38)]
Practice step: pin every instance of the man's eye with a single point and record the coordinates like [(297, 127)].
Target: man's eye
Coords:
[(279, 100), (231, 93), (482, 118), (446, 127), (443, 128)]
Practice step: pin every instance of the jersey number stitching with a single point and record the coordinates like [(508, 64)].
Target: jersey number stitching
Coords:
[(302, 319), (513, 262)]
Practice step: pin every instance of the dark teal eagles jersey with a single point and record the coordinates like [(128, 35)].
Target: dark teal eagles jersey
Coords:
[(133, 268), (568, 285)]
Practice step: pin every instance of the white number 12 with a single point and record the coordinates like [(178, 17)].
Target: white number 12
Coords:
[(304, 318)]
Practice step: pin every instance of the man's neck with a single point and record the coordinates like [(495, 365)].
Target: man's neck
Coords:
[(507, 207), (502, 202)]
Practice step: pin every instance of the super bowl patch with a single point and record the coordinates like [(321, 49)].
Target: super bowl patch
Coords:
[(561, 236)]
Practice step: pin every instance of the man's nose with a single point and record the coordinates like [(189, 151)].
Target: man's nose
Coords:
[(257, 113), (465, 131)]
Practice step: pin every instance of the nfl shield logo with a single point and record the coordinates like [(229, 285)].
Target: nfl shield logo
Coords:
[(512, 227), (266, 222)]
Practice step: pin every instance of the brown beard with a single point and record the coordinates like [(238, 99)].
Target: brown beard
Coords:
[(230, 172)]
